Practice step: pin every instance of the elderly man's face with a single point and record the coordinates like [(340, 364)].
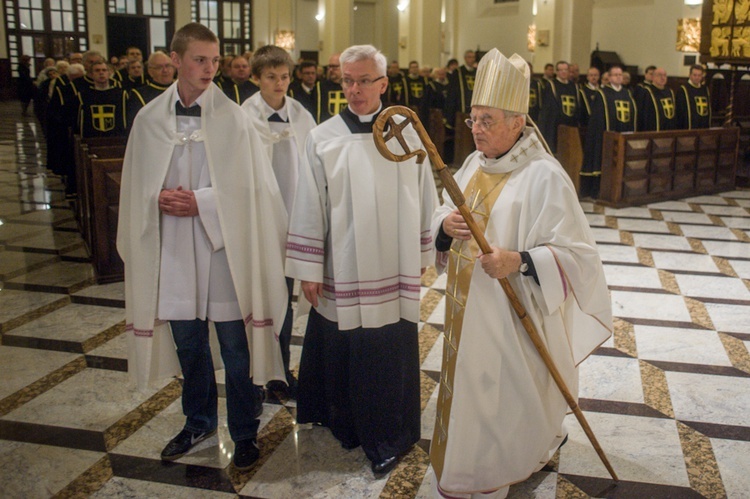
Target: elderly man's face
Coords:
[(660, 78), (161, 70), (240, 69), (615, 76), (493, 135), (361, 89), (334, 68)]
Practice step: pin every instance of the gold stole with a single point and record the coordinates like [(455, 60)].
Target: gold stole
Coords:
[(481, 193)]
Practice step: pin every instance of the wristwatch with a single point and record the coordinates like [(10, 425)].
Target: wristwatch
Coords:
[(525, 257)]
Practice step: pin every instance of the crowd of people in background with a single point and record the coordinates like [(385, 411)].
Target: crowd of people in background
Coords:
[(94, 97)]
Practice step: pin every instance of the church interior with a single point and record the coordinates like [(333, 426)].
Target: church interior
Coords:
[(667, 395)]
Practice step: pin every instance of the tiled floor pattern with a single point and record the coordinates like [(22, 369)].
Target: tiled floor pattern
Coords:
[(668, 396)]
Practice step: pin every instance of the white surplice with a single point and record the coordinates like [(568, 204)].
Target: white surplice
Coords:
[(506, 413), (285, 142), (361, 226), (237, 182)]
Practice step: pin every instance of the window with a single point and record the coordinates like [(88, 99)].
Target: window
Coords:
[(229, 19), (44, 28)]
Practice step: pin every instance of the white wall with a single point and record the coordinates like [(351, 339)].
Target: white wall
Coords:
[(488, 25), (642, 32)]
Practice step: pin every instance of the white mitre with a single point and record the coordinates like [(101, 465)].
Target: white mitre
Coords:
[(502, 83)]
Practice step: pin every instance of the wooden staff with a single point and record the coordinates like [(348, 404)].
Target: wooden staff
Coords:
[(395, 130)]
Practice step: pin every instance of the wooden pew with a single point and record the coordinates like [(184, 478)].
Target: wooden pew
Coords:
[(464, 140), (83, 148), (570, 151), (106, 174), (646, 167), (437, 132)]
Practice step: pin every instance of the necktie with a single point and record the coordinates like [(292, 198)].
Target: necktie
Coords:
[(189, 111)]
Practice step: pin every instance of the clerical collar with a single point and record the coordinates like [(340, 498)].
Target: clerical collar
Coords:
[(694, 86), (615, 88), (563, 82), (357, 123), (592, 87), (282, 113), (506, 152)]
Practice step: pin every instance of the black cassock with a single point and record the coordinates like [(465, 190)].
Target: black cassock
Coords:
[(239, 93), (693, 107), (102, 112), (139, 97), (460, 91), (62, 114), (363, 383), (657, 110), (611, 110), (560, 106)]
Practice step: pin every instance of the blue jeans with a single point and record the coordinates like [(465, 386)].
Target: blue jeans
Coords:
[(199, 394)]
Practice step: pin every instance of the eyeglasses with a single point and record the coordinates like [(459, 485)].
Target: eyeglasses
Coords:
[(363, 83), (161, 67), (481, 124)]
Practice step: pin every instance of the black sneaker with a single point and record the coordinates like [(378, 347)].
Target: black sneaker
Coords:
[(182, 443), (246, 452)]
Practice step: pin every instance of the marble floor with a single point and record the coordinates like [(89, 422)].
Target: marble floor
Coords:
[(668, 396)]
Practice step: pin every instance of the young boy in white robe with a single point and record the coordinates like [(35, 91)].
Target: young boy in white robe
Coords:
[(283, 124), (201, 231)]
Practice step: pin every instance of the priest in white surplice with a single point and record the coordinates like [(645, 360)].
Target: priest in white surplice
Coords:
[(201, 232), (499, 413), (359, 237)]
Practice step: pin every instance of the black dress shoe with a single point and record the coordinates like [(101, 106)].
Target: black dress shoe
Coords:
[(384, 466), (246, 452), (182, 443)]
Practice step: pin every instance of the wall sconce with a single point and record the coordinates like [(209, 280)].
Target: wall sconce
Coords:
[(542, 38), (320, 16), (693, 3), (402, 5), (285, 40)]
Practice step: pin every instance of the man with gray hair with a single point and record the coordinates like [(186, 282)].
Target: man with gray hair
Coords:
[(161, 73), (499, 414), (358, 240)]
